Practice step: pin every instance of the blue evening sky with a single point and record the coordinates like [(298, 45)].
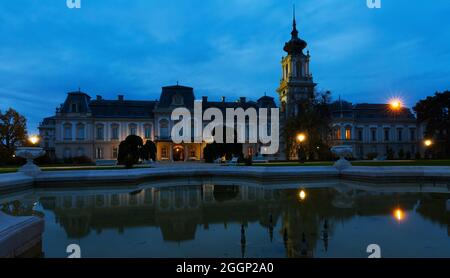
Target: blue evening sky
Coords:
[(226, 48)]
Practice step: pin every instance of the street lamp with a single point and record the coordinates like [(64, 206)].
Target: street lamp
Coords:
[(428, 142), (34, 139), (395, 104), (301, 137)]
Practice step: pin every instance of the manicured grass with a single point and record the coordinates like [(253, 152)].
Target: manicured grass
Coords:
[(278, 164), (4, 170), (78, 168)]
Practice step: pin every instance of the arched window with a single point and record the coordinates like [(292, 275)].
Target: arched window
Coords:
[(80, 131), (337, 133), (298, 69), (100, 132), (115, 132), (164, 129), (348, 133), (148, 131), (67, 131), (133, 129)]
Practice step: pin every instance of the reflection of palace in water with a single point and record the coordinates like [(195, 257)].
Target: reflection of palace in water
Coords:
[(303, 225)]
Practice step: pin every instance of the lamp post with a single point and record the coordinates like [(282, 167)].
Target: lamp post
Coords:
[(427, 143), (34, 140), (301, 137)]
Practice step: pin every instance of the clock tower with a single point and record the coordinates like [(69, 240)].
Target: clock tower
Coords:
[(297, 83)]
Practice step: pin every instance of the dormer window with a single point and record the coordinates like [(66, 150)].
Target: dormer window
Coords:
[(74, 108), (177, 100)]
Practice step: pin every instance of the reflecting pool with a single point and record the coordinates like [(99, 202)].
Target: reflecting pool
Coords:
[(334, 219)]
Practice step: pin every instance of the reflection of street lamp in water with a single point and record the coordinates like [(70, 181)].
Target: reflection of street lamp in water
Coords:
[(399, 214), (302, 195)]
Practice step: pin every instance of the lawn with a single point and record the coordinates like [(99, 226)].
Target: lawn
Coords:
[(4, 170)]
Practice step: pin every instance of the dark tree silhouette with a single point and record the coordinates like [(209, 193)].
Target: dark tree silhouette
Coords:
[(149, 151), (130, 151), (434, 111)]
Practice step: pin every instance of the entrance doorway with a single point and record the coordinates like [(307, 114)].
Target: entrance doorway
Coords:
[(178, 153)]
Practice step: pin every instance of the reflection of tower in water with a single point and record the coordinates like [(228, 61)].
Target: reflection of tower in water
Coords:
[(243, 241)]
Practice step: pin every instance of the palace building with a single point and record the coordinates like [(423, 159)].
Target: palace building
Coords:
[(93, 127)]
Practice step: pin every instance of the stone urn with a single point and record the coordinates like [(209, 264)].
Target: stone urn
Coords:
[(342, 151), (30, 154)]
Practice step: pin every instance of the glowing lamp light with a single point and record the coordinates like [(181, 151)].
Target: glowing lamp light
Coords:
[(428, 143), (302, 195), (395, 104), (33, 139), (399, 214), (301, 137)]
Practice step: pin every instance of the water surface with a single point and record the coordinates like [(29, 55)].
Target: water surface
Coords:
[(210, 220)]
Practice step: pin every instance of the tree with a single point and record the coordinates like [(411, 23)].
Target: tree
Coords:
[(434, 112), (12, 129), (215, 150), (314, 120), (148, 151), (12, 133), (130, 151)]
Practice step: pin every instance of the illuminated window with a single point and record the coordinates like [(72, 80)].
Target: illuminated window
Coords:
[(250, 151), (337, 133), (164, 152), (192, 151), (348, 134), (147, 131)]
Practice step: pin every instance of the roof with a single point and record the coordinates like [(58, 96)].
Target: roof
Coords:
[(369, 111), (169, 92), (122, 108)]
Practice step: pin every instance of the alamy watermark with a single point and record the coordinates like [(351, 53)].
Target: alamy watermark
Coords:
[(261, 127), (374, 4), (73, 4)]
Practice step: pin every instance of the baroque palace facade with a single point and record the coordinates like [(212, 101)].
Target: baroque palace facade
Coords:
[(83, 126), (95, 127)]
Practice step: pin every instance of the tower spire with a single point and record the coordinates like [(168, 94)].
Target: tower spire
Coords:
[(294, 32)]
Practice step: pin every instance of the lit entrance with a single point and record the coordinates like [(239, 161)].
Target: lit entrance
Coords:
[(178, 153)]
